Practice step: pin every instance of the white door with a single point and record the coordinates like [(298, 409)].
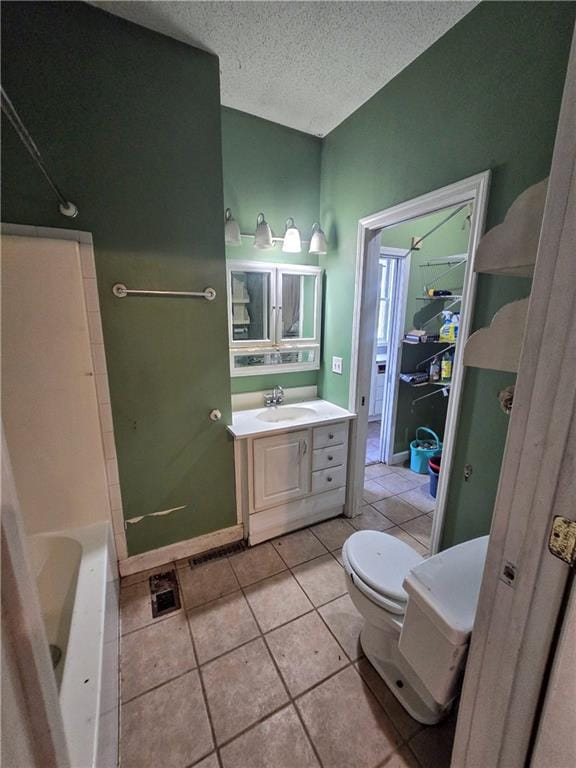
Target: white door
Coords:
[(555, 745), (282, 467)]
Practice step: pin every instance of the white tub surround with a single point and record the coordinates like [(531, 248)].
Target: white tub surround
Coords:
[(291, 463), (77, 582), (60, 391)]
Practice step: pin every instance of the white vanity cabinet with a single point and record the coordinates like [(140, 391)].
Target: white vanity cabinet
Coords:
[(281, 468), (291, 466), (291, 479)]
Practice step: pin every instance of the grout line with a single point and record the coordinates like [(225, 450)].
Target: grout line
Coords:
[(204, 695), (279, 673), (290, 697), (156, 620), (164, 682), (295, 565)]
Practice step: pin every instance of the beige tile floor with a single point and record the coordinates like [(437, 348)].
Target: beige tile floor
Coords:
[(262, 666), (373, 442)]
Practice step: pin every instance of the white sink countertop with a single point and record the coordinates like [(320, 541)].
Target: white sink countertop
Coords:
[(279, 418)]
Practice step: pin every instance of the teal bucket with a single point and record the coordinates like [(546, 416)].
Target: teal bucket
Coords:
[(422, 450)]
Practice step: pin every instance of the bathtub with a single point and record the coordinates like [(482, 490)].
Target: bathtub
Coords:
[(77, 580)]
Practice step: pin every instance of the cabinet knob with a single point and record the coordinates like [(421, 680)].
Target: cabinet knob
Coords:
[(330, 458), (330, 436), (329, 479)]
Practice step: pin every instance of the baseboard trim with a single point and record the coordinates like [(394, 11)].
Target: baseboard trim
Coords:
[(180, 550), (400, 458)]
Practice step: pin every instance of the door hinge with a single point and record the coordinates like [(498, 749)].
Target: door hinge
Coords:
[(363, 402), (562, 541)]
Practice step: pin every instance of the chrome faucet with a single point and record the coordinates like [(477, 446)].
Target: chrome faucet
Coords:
[(276, 397)]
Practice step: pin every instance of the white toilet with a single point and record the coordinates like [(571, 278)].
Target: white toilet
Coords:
[(418, 615)]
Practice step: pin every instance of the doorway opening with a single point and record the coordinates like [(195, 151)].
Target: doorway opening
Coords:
[(414, 299)]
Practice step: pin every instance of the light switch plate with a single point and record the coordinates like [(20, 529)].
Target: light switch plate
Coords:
[(337, 365)]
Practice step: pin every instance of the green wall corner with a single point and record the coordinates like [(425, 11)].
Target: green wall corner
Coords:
[(275, 170), (486, 95)]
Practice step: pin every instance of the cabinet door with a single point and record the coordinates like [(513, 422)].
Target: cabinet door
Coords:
[(251, 305), (298, 305), (282, 466)]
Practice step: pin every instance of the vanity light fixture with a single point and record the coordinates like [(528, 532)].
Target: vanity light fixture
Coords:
[(263, 235), (292, 242), (231, 229), (318, 244), (264, 239)]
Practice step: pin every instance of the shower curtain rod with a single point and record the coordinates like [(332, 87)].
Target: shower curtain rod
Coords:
[(66, 207)]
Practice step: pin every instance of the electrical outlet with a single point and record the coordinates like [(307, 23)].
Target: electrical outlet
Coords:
[(337, 365)]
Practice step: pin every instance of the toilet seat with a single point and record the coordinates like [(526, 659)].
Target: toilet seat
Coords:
[(377, 564)]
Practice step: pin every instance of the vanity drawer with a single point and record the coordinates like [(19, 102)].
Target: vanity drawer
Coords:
[(327, 479), (332, 456), (332, 434)]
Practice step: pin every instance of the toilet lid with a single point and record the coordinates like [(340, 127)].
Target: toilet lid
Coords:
[(381, 561)]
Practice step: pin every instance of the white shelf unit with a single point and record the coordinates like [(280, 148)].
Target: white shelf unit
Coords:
[(508, 249)]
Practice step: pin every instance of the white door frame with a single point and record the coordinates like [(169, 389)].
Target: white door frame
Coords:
[(473, 189), (517, 618)]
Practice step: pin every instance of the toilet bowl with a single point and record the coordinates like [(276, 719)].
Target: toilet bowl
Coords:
[(418, 615)]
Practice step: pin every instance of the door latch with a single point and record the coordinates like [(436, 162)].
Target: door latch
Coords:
[(562, 541)]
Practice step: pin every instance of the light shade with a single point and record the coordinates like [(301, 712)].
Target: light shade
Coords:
[(263, 235), (318, 244), (231, 229), (292, 242)]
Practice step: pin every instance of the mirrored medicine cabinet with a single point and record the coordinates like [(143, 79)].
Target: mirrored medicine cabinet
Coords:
[(273, 317)]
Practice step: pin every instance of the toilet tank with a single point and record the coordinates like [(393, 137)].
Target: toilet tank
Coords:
[(442, 598)]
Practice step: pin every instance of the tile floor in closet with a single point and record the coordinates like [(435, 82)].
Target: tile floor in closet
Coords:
[(373, 442), (262, 666)]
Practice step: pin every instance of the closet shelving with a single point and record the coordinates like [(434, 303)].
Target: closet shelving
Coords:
[(442, 387), (453, 296)]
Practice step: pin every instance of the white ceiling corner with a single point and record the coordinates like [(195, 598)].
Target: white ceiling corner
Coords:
[(307, 65)]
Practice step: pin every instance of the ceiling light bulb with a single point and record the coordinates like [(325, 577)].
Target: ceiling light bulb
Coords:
[(263, 235), (231, 229), (318, 244), (292, 241)]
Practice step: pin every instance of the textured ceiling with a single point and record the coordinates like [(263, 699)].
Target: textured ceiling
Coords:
[(307, 65)]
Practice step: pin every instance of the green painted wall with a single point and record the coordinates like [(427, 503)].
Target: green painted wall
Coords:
[(129, 122), (270, 168), (449, 240), (485, 96)]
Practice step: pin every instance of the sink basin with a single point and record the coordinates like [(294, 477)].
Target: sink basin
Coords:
[(285, 413)]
